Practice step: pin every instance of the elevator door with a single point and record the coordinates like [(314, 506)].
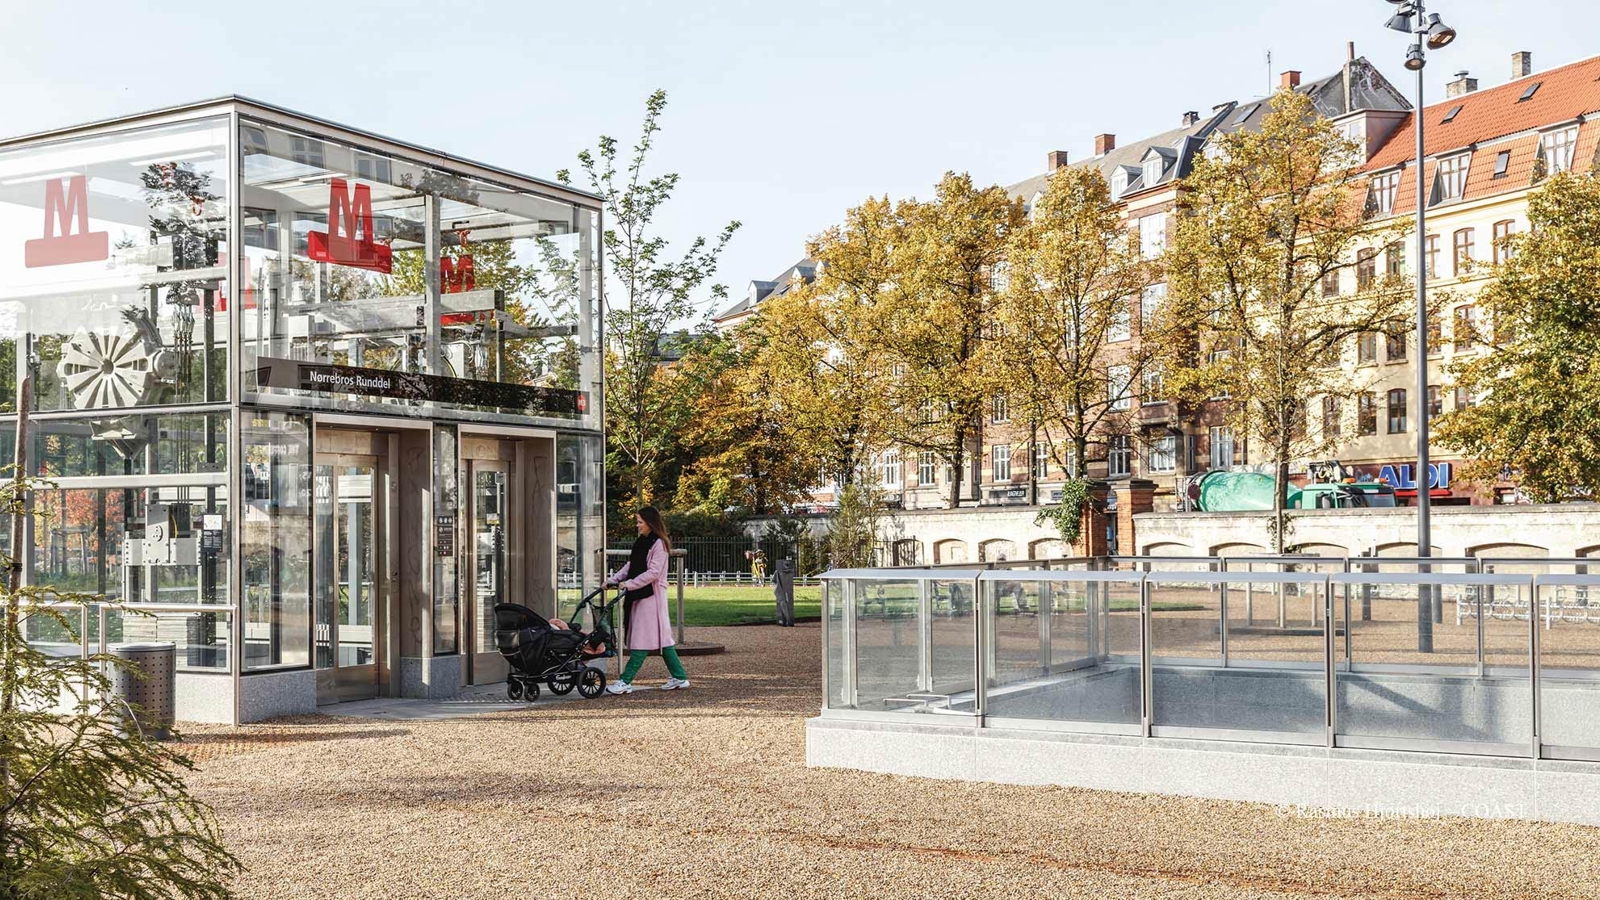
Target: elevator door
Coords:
[(351, 589), (489, 564)]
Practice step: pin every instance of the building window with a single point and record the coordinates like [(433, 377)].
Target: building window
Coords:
[(1119, 461), (929, 412), (1119, 184), (1366, 269), (1451, 180), (1153, 235), (1221, 448), (1000, 409), (1041, 461), (1502, 163), (1555, 149), (1000, 460), (1367, 413), (1433, 256), (1466, 327), (1435, 402), (1332, 417), (1330, 283), (1394, 260), (889, 474), (1150, 300), (1503, 251), (1000, 277), (1397, 411), (1395, 348), (1435, 336), (1381, 193), (1462, 254), (925, 468), (1367, 349), (1152, 386), (1120, 328), (1163, 456), (1464, 399), (1152, 171), (1118, 382), (1215, 359)]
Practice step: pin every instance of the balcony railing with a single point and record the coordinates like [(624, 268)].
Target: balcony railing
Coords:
[(1365, 653)]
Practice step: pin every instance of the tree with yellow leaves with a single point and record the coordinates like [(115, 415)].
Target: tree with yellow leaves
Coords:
[(1269, 214)]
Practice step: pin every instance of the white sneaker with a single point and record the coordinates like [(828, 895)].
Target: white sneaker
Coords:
[(673, 684), (619, 687)]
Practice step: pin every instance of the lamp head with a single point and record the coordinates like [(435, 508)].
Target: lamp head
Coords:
[(1414, 59), (1400, 21), (1439, 34)]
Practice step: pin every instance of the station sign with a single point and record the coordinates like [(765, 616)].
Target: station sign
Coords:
[(67, 238), (327, 378)]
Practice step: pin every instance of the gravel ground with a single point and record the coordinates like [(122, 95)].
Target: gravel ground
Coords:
[(705, 793)]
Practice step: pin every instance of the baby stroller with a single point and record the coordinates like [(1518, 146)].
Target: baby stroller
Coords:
[(541, 652)]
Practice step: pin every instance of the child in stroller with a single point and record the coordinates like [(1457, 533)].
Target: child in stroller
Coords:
[(540, 650)]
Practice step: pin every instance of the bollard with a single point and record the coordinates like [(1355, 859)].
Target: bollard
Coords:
[(783, 590)]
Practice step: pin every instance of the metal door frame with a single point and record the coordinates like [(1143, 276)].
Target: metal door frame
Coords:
[(489, 661), (338, 683)]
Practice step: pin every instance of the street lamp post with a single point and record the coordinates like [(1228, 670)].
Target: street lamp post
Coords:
[(1431, 34)]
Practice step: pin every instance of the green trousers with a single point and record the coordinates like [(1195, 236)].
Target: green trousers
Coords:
[(636, 659)]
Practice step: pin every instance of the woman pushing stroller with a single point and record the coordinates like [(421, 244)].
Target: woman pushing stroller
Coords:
[(644, 605)]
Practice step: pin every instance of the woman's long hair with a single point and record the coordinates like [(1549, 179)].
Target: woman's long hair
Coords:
[(658, 527)]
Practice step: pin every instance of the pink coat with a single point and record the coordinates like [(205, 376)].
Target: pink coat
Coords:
[(650, 629)]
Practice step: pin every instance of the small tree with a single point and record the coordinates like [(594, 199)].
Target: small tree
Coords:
[(1063, 350), (1537, 389), (646, 293), (922, 334), (1269, 217), (853, 530), (89, 808)]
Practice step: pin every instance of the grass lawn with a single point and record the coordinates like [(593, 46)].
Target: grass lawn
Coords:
[(738, 605)]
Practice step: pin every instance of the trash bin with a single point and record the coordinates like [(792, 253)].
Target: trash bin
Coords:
[(151, 697)]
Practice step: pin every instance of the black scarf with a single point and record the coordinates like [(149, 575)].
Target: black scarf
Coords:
[(638, 562)]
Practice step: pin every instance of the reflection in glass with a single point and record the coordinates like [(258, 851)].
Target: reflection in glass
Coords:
[(275, 451)]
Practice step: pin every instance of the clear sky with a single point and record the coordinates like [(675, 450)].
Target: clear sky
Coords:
[(780, 115)]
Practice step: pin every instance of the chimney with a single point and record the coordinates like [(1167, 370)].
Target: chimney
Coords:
[(1462, 85), (1521, 64), (1291, 79), (1054, 160), (1190, 119), (1104, 143)]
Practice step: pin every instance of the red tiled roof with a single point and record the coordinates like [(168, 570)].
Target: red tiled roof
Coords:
[(1564, 94)]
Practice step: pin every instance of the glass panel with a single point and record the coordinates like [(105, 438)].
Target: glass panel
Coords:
[(488, 552), (113, 260), (277, 539), (1408, 674), (1569, 660), (580, 520), (955, 640), (888, 662), (1085, 664), (447, 502), (336, 239), (327, 536), (149, 545), (1277, 676), (201, 637), (130, 445), (356, 563), (833, 603)]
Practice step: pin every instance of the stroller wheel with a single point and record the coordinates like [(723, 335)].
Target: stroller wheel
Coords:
[(592, 683), (562, 682), (514, 689), (530, 691)]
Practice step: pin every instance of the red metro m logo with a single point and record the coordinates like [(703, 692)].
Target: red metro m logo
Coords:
[(348, 214), (455, 274), (62, 242)]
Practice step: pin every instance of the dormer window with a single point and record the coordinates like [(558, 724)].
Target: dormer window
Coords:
[(1450, 182), (1119, 183), (1555, 148), (1152, 170), (1381, 193)]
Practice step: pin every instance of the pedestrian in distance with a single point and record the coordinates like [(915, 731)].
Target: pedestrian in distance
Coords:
[(644, 603)]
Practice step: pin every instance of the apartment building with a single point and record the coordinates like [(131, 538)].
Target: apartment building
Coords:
[(1485, 152)]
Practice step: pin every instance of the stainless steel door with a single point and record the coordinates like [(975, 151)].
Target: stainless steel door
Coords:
[(489, 564), (350, 586)]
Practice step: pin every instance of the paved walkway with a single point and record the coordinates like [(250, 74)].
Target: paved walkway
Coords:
[(705, 793), (474, 701)]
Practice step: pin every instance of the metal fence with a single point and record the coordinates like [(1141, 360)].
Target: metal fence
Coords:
[(752, 560), (1275, 650)]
